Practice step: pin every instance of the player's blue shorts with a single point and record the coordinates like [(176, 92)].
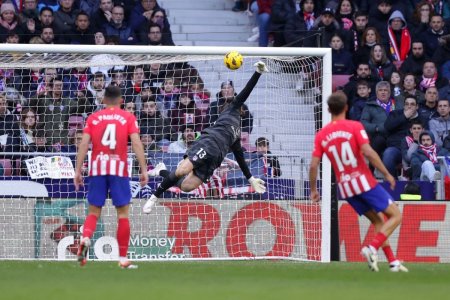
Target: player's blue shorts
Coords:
[(377, 199), (118, 187)]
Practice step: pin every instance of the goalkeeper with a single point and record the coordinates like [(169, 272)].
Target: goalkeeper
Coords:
[(207, 153)]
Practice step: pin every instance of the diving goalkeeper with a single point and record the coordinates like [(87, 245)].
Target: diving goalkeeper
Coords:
[(208, 152)]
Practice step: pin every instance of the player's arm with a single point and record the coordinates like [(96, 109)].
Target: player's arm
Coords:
[(243, 95), (313, 168), (81, 156), (257, 183), (375, 160), (138, 149)]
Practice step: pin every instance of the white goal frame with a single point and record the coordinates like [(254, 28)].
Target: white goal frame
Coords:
[(325, 53)]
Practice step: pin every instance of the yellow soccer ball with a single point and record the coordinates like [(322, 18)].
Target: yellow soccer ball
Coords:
[(233, 60)]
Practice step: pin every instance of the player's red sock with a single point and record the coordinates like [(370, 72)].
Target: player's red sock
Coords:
[(389, 254), (89, 225), (378, 240), (123, 236)]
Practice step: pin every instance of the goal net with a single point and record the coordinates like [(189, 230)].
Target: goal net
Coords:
[(47, 92)]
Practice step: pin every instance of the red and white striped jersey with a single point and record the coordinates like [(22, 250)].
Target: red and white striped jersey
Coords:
[(109, 130), (341, 142)]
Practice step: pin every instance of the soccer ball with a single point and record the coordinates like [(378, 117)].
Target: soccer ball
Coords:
[(233, 60)]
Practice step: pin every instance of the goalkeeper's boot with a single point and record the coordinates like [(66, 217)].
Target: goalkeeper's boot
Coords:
[(396, 266), (85, 243), (148, 206), (155, 172), (126, 264), (372, 258)]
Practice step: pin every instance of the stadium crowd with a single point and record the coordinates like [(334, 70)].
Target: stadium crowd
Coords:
[(390, 57), (394, 58)]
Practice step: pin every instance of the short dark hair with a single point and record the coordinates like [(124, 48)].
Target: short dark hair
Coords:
[(411, 97), (261, 141), (361, 13), (362, 82), (337, 102), (113, 94), (46, 8), (416, 122)]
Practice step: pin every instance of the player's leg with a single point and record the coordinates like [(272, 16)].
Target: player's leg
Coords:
[(190, 182), (98, 189), (121, 198)]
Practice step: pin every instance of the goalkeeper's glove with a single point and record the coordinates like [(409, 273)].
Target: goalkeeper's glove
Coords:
[(257, 184), (261, 67)]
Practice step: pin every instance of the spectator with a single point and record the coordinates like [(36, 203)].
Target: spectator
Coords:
[(118, 78), (46, 19), (186, 113), (362, 96), (442, 53), (151, 118), (159, 17), (370, 38), (380, 66), (424, 162), (414, 63), (141, 14), (410, 89), (430, 77), (344, 14), (282, 11), (82, 33), (440, 126), (200, 95), (410, 144), (148, 141), (271, 164), (185, 140), (9, 20), (421, 18), (397, 125), (29, 17), (102, 16), (168, 96), (399, 37), (396, 83), (27, 129), (227, 94), (428, 109), (51, 4), (99, 38), (379, 18), (263, 9), (362, 73), (156, 75), (155, 36), (432, 35), (9, 129), (119, 28), (54, 111), (130, 107), (327, 22), (43, 87), (359, 27), (65, 17), (375, 114), (341, 58), (95, 90), (133, 86), (297, 27), (48, 35)]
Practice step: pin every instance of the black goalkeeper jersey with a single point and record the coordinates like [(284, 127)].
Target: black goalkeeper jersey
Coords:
[(226, 131)]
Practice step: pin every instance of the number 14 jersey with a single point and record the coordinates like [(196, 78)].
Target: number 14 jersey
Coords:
[(109, 130), (341, 141)]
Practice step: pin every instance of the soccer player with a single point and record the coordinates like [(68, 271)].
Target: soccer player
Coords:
[(109, 129), (207, 153), (346, 144)]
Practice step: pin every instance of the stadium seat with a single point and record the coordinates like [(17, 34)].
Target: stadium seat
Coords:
[(338, 81), (7, 167)]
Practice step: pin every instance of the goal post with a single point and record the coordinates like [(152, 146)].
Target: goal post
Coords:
[(61, 85)]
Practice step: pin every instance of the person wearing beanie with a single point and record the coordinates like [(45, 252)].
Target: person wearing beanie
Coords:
[(8, 20)]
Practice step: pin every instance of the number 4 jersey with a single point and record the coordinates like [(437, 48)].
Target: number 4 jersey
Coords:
[(109, 130), (341, 141)]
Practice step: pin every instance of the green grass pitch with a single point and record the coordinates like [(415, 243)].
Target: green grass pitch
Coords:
[(279, 280)]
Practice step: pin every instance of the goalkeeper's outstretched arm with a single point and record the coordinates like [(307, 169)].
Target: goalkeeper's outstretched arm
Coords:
[(243, 95), (257, 183)]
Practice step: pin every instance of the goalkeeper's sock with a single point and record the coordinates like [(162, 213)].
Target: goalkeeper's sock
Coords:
[(168, 182), (389, 254), (89, 225), (378, 240), (123, 236)]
